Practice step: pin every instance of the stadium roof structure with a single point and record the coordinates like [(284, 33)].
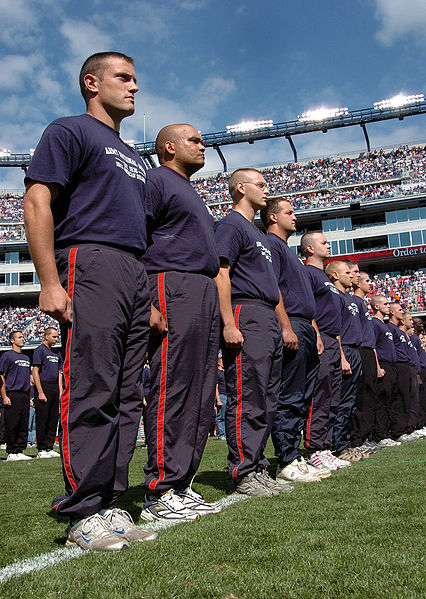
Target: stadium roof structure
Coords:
[(288, 129)]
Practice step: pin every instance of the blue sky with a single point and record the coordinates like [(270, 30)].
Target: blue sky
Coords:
[(215, 62)]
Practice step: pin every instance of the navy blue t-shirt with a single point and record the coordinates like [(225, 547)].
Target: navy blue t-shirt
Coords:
[(351, 325), (415, 340), (246, 250), (49, 363), (412, 354), (385, 346), (400, 341), (367, 333), (102, 182), (17, 369), (293, 280), (328, 304), (180, 228)]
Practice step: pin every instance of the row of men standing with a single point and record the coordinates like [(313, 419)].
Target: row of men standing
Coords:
[(129, 262), (15, 385)]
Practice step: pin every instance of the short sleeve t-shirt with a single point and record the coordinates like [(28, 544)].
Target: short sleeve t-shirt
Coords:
[(17, 369), (180, 228), (49, 363), (351, 325), (400, 341), (415, 340), (246, 250), (385, 347), (328, 303), (367, 332), (293, 279), (102, 180)]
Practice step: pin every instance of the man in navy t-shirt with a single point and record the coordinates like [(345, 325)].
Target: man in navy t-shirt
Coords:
[(416, 341), (386, 392), (47, 374), (85, 224), (15, 373), (340, 275), (300, 357), (181, 261), (328, 317), (252, 341)]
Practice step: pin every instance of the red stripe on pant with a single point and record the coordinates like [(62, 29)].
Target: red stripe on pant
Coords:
[(308, 425), (65, 399), (163, 380), (239, 396)]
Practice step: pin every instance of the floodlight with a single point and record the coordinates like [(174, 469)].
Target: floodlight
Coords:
[(246, 126), (399, 101), (322, 114), (4, 153)]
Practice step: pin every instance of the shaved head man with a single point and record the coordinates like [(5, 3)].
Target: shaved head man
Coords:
[(181, 262)]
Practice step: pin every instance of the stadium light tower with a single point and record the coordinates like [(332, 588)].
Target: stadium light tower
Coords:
[(246, 126), (322, 114), (399, 101)]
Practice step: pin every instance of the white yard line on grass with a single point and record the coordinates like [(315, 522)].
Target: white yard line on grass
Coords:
[(33, 564)]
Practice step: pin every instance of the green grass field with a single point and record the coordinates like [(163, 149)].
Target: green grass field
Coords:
[(358, 534)]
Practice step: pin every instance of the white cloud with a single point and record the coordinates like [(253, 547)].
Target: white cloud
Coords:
[(400, 17), (18, 20), (14, 70)]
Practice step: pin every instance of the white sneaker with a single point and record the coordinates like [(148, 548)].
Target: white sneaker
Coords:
[(406, 438), (22, 457), (389, 443), (320, 471), (331, 459), (123, 525), (2, 446), (297, 471), (12, 457), (421, 433), (318, 460), (194, 501), (167, 506), (44, 454), (95, 533), (53, 454)]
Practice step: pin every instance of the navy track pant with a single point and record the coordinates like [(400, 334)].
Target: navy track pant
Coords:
[(253, 376), (386, 396), (400, 408), (413, 411), (363, 416), (299, 374), (325, 397), (183, 378), (47, 415), (16, 421), (422, 400), (343, 423), (105, 350)]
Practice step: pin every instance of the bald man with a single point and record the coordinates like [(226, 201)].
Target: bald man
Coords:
[(341, 276), (181, 261)]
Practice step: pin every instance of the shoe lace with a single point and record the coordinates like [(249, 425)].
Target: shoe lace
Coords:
[(120, 515), (97, 524), (172, 500)]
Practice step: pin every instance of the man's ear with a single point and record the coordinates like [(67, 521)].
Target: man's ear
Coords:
[(90, 81)]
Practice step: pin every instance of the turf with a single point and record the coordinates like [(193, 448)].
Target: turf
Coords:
[(358, 534)]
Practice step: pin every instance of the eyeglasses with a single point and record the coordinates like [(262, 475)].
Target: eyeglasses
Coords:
[(260, 185)]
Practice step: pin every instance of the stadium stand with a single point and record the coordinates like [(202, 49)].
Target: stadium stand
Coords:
[(30, 320)]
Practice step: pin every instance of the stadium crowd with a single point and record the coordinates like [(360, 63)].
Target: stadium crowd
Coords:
[(28, 319)]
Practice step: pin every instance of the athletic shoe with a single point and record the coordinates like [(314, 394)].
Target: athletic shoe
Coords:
[(12, 457), (23, 457), (95, 533), (43, 454), (319, 471), (253, 485), (389, 443), (318, 460), (195, 502), (3, 446), (366, 449), (281, 486), (123, 526), (334, 461), (406, 438), (167, 506), (297, 471), (222, 438), (350, 455), (53, 454), (415, 435), (373, 445)]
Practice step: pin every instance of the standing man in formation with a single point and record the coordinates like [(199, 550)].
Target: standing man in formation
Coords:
[(328, 317), (181, 261), (47, 374), (15, 374), (252, 352), (85, 224), (300, 357)]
